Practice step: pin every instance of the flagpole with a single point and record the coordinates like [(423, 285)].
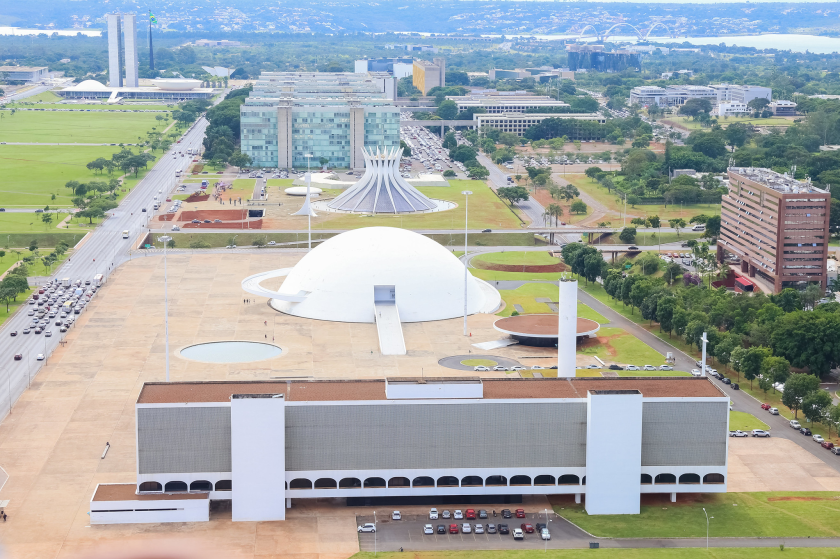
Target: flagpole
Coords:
[(151, 50)]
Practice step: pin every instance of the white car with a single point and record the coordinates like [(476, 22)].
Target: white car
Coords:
[(479, 529), (271, 243), (40, 357), (368, 527), (818, 438), (433, 514), (499, 368), (466, 528), (696, 373), (427, 529), (649, 368), (666, 368), (632, 368), (396, 515), (597, 367), (537, 368), (517, 368), (176, 228), (738, 433), (761, 433), (545, 534), (458, 515), (481, 368)]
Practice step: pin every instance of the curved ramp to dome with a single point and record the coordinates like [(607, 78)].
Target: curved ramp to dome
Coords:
[(251, 284)]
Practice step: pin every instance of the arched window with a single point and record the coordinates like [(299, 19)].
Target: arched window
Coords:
[(665, 479), (423, 481), (568, 479), (151, 486), (472, 481), (173, 486), (374, 482), (325, 483), (300, 483), (495, 481), (646, 479), (447, 481), (689, 478), (201, 485), (223, 485), (350, 483), (520, 480), (399, 482), (544, 480), (713, 478), (583, 481)]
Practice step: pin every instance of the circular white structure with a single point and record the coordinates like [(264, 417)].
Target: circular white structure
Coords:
[(176, 84), (301, 190), (91, 85), (344, 277)]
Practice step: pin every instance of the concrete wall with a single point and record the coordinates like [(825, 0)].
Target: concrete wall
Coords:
[(131, 60), (114, 66), (284, 137), (357, 137)]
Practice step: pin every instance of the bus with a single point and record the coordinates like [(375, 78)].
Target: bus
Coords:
[(98, 280)]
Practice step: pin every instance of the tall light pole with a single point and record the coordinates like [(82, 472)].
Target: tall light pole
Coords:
[(703, 368), (707, 526), (165, 239), (466, 194)]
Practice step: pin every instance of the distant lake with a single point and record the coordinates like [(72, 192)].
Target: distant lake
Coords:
[(66, 32)]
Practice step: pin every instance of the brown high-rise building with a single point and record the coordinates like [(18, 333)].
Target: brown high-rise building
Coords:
[(777, 226)]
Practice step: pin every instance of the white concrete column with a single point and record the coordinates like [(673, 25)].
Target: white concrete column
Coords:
[(288, 503), (131, 61), (673, 497), (577, 498), (566, 328), (114, 50)]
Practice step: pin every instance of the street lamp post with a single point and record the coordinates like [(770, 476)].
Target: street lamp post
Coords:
[(466, 194), (165, 239), (707, 526)]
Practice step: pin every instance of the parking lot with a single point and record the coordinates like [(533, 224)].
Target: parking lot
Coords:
[(391, 535)]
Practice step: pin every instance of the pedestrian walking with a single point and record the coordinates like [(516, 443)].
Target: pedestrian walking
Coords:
[(266, 322)]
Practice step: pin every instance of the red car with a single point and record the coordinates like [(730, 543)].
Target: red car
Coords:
[(527, 528), (765, 406), (453, 528), (470, 514), (827, 444), (520, 513)]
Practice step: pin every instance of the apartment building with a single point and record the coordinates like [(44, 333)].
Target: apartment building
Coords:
[(776, 226), (426, 75), (290, 115)]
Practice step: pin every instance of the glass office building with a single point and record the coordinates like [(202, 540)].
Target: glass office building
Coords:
[(328, 116)]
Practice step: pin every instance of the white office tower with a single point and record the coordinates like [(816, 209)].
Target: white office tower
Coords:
[(131, 63), (114, 50), (382, 189), (566, 328)]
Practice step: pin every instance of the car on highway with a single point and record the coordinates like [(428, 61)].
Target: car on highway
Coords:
[(759, 433), (18, 356), (63, 329), (481, 368), (433, 514), (427, 529), (453, 528), (40, 357), (38, 330), (503, 529), (738, 433), (441, 529), (517, 534), (48, 333), (367, 527), (25, 331), (805, 431), (13, 333), (818, 439)]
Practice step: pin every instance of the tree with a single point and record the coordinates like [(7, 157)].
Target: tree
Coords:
[(479, 172), (239, 159), (7, 295), (258, 242), (654, 221), (628, 235), (797, 388), (632, 199), (448, 110), (513, 194), (775, 369), (758, 104), (693, 107), (814, 405), (199, 243), (578, 207), (47, 218), (752, 360), (593, 172), (665, 313), (712, 227), (91, 213), (672, 272), (765, 384), (789, 300), (677, 223), (736, 359), (16, 282)]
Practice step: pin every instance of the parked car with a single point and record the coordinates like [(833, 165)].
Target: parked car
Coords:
[(696, 372), (818, 439), (503, 529), (805, 431), (466, 528), (827, 444), (482, 513), (505, 514), (774, 411), (545, 534), (517, 534), (738, 433), (433, 514), (632, 368), (396, 515), (649, 368), (446, 514), (835, 450), (479, 529), (520, 513), (726, 381), (795, 424), (760, 433), (615, 367), (441, 529), (527, 528), (427, 529), (453, 528), (517, 368), (368, 527), (499, 368), (470, 514), (491, 528), (458, 515), (666, 368), (765, 406), (736, 386)]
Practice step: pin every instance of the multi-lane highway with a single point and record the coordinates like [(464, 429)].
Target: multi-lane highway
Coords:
[(99, 253)]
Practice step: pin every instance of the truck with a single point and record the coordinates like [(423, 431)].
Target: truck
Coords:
[(125, 234), (65, 282), (205, 183), (98, 280)]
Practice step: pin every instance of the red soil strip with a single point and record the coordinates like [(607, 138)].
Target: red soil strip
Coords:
[(198, 198), (166, 217), (256, 224), (213, 214), (531, 269)]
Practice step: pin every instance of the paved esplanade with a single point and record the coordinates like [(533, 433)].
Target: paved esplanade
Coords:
[(101, 252)]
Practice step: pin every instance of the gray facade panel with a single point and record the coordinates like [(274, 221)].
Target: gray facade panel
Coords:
[(684, 433), (414, 436), (183, 440)]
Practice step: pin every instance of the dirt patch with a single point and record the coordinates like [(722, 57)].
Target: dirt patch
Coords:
[(166, 217), (514, 268), (198, 198), (213, 214), (256, 224), (771, 499)]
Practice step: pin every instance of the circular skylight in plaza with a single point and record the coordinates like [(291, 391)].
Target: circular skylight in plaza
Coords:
[(347, 276)]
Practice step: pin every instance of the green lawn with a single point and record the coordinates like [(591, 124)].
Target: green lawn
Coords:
[(85, 107), (745, 421), (687, 122), (486, 210), (653, 373), (776, 514), (485, 239), (31, 222), (479, 362), (617, 345), (643, 553), (70, 127), (525, 296), (525, 258), (491, 275)]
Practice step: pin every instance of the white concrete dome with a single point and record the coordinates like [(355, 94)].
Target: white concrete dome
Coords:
[(336, 280), (91, 85), (176, 84)]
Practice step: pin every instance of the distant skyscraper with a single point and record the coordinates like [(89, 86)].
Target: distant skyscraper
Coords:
[(114, 51), (131, 61)]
